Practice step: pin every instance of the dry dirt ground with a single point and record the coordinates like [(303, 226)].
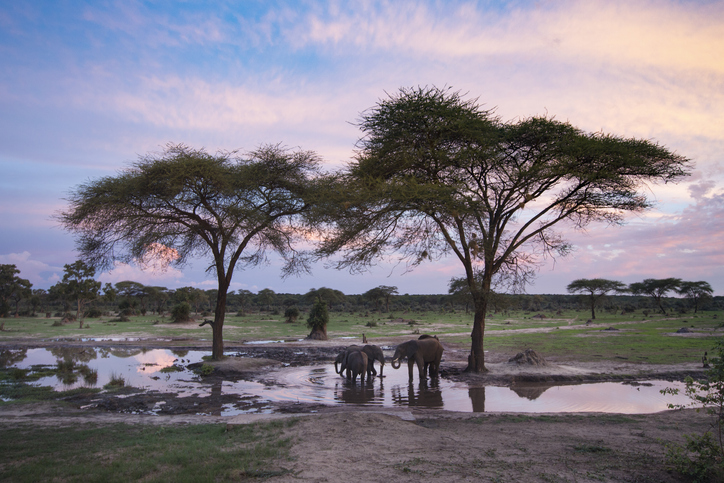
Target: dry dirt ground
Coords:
[(332, 444)]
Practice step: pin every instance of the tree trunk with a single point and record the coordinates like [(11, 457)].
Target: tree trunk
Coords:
[(593, 308), (217, 348), (318, 333), (476, 359)]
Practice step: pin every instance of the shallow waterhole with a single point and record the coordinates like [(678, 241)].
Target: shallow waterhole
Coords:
[(319, 384)]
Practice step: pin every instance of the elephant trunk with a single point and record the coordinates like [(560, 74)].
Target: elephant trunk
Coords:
[(396, 363), (336, 369)]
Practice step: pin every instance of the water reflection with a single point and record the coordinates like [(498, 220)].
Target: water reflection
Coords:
[(156, 370), (477, 398), (530, 391)]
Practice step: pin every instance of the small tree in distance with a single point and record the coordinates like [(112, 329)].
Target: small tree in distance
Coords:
[(318, 320), (80, 286), (695, 291), (11, 287), (291, 314), (656, 289), (596, 288)]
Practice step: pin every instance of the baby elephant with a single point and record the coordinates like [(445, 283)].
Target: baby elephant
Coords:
[(356, 364), (374, 353)]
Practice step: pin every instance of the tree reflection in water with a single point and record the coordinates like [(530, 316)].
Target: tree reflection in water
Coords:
[(477, 397)]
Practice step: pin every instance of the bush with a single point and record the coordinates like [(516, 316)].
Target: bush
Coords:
[(94, 312), (206, 370), (702, 456), (181, 312), (318, 320), (291, 314), (127, 312)]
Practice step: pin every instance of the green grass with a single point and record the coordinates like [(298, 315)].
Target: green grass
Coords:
[(143, 452), (639, 338)]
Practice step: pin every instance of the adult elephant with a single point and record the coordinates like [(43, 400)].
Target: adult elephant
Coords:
[(374, 353), (425, 352)]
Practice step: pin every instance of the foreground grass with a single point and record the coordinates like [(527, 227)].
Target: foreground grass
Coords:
[(144, 453)]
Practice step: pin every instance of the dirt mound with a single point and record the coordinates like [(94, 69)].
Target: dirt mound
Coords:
[(528, 357)]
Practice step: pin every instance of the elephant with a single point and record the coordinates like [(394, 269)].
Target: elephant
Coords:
[(356, 364), (340, 363), (425, 351), (374, 353)]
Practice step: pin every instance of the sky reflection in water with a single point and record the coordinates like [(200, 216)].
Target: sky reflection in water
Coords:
[(319, 384)]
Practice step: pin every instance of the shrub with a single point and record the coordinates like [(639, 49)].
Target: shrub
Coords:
[(94, 312), (318, 320), (206, 370), (116, 381), (702, 456), (127, 312), (181, 312), (291, 314)]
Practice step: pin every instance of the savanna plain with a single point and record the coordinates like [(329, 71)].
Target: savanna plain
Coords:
[(56, 435)]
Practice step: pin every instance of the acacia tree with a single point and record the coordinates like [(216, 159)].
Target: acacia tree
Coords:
[(185, 202), (695, 291), (436, 174), (656, 288), (387, 292), (596, 288)]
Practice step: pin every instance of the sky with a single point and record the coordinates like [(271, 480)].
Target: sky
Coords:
[(86, 87)]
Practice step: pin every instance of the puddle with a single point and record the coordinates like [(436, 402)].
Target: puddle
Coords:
[(318, 384)]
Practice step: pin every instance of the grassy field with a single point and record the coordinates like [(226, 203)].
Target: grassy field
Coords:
[(124, 452), (564, 335)]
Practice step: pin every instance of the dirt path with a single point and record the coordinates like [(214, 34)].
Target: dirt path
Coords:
[(353, 444)]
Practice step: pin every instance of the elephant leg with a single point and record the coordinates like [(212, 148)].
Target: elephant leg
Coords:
[(421, 368), (410, 364)]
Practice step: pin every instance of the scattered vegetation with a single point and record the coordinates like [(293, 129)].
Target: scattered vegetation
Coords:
[(701, 457), (115, 382)]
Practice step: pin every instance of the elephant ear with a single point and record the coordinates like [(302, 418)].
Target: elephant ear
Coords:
[(411, 348)]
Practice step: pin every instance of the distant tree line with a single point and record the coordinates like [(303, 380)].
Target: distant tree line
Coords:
[(78, 295)]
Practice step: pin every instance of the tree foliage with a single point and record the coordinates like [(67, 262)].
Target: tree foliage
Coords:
[(695, 291), (380, 293), (167, 208), (656, 288), (79, 285), (318, 320), (596, 289), (324, 294), (12, 288), (437, 175)]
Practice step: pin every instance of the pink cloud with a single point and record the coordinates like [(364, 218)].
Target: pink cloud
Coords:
[(688, 245)]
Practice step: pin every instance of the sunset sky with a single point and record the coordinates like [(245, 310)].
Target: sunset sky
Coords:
[(87, 87)]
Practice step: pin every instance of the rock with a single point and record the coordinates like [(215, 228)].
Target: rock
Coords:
[(683, 330)]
